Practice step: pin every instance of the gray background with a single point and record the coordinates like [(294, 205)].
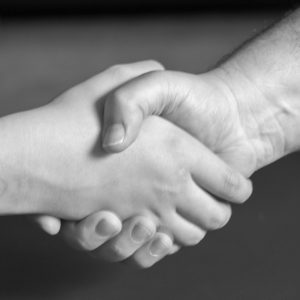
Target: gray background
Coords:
[(25, 7), (255, 257)]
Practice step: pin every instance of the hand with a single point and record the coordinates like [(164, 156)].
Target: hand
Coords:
[(52, 225), (203, 105), (98, 228), (70, 101)]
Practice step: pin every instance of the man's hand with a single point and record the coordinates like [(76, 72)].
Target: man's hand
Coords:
[(246, 110), (202, 105)]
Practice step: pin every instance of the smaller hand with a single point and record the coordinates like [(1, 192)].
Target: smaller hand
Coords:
[(101, 227), (52, 225)]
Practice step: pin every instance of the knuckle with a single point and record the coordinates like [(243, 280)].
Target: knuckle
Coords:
[(183, 175), (232, 184), (143, 263), (155, 64), (120, 98), (180, 180), (120, 71), (218, 218), (195, 238), (170, 193), (157, 75), (236, 188), (124, 101)]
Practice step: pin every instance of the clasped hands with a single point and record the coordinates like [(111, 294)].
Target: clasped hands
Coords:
[(174, 183), (128, 183), (139, 161)]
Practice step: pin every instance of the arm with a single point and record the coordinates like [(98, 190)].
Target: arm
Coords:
[(264, 76), (19, 134), (246, 109)]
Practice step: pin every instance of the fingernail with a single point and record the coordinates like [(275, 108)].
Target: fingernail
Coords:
[(140, 233), (105, 228), (114, 135), (158, 247)]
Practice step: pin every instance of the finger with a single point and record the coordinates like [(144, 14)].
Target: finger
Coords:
[(184, 232), (136, 231), (149, 94), (116, 75), (49, 224), (93, 231), (214, 175), (175, 248), (203, 210), (153, 251)]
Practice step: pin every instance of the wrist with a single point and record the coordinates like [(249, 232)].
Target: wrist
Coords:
[(17, 193), (266, 117), (10, 203), (264, 74)]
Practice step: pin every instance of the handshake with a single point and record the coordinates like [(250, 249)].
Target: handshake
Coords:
[(140, 161)]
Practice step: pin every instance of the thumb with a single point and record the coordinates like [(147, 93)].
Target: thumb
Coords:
[(154, 93)]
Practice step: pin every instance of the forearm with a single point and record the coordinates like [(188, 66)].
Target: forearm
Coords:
[(264, 77), (18, 194)]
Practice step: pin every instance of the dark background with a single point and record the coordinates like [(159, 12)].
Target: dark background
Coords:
[(48, 46), (70, 7)]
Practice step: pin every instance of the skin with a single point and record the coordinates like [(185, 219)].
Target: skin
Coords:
[(52, 162), (246, 109)]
